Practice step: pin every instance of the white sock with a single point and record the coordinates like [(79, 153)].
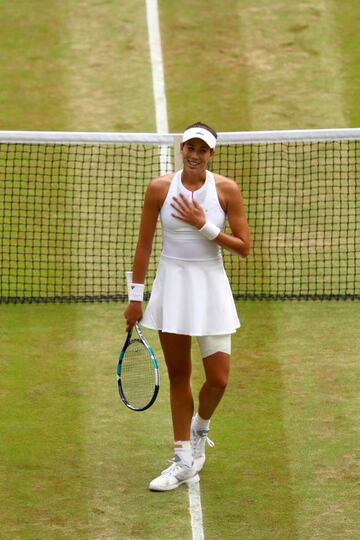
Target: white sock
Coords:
[(183, 451), (200, 424)]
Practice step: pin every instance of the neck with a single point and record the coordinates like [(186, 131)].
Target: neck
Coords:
[(193, 177)]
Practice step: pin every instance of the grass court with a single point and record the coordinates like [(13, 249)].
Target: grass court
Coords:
[(74, 463)]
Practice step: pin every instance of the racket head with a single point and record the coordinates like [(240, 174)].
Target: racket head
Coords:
[(137, 373)]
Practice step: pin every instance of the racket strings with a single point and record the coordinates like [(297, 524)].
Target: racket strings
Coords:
[(137, 375)]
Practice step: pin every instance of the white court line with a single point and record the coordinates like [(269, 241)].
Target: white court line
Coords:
[(156, 58), (158, 79), (196, 511), (152, 14)]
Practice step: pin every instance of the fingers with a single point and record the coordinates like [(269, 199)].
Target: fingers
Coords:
[(132, 315), (181, 209), (188, 211), (130, 324), (180, 205), (185, 200)]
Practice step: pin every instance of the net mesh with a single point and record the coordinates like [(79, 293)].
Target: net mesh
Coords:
[(69, 216), (301, 202)]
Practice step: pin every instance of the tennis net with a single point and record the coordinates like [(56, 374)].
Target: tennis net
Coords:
[(70, 205)]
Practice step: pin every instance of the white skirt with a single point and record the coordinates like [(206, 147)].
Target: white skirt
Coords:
[(192, 298)]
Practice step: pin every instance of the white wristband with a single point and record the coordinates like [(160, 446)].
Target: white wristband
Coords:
[(209, 230), (136, 292)]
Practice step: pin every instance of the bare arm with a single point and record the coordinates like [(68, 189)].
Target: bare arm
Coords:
[(152, 204), (239, 241), (147, 228)]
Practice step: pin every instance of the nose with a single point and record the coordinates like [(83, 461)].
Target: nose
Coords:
[(194, 153)]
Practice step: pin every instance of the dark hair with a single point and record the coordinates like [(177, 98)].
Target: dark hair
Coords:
[(204, 126)]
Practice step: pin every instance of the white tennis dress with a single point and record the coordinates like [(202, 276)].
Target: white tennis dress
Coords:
[(191, 293)]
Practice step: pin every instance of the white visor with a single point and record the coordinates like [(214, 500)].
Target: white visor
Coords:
[(200, 133)]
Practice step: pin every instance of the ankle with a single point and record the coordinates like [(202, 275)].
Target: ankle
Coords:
[(201, 424), (183, 450)]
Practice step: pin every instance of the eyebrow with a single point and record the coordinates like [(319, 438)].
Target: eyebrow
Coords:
[(203, 144)]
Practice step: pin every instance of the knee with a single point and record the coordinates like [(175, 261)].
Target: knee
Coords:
[(178, 376), (218, 381)]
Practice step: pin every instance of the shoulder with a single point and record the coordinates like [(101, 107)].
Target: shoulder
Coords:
[(160, 183), (225, 185), (158, 189), (227, 189)]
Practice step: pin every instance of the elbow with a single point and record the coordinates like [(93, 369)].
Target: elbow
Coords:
[(244, 253), (245, 250)]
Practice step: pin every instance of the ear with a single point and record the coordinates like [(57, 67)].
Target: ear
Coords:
[(181, 146)]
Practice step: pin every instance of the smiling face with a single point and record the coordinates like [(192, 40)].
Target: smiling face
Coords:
[(196, 154)]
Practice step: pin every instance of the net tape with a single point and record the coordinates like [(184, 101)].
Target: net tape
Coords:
[(71, 204)]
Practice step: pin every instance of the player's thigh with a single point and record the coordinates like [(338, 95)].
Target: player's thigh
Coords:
[(177, 353)]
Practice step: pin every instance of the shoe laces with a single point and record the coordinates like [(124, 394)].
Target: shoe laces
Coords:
[(175, 464), (203, 439)]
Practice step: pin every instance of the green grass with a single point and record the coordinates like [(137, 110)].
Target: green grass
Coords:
[(205, 64), (262, 65), (346, 14), (76, 463), (76, 66), (253, 67)]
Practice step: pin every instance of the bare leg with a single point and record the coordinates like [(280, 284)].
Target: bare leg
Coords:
[(217, 368), (177, 352)]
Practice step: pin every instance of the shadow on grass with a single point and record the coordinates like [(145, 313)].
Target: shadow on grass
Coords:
[(246, 486)]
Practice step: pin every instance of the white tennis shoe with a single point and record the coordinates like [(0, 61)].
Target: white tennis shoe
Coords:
[(178, 473), (199, 439)]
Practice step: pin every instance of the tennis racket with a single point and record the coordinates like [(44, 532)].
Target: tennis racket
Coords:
[(137, 371)]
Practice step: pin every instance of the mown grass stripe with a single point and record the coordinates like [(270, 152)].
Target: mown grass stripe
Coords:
[(33, 44), (347, 16), (206, 73), (41, 425), (294, 64), (106, 67)]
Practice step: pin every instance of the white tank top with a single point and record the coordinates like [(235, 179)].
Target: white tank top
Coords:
[(181, 240)]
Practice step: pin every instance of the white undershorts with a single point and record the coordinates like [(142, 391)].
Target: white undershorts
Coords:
[(212, 344)]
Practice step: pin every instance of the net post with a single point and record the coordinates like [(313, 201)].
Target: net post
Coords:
[(177, 153)]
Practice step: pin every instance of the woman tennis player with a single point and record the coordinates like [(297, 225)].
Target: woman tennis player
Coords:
[(191, 295)]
